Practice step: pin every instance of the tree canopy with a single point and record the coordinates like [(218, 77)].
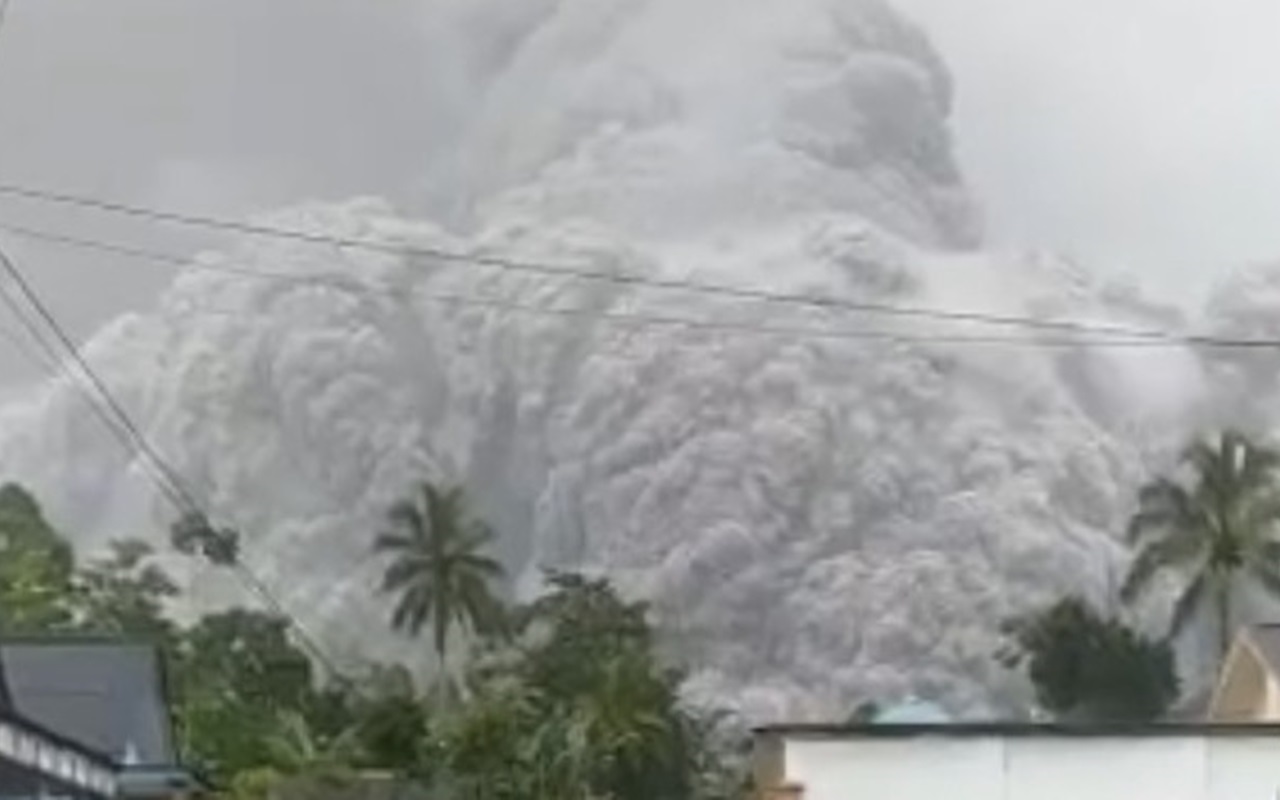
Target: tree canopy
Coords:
[(565, 699), (440, 571), (1088, 668), (1214, 529)]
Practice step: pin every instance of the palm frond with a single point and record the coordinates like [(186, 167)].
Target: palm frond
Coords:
[(403, 572), (1202, 454), (1259, 516), (439, 571), (1267, 552), (1161, 504), (388, 542), (1260, 463), (1176, 551), (481, 565), (412, 610), (405, 516), (1267, 576)]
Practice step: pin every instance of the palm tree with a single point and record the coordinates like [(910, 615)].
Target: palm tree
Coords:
[(1216, 530), (439, 571)]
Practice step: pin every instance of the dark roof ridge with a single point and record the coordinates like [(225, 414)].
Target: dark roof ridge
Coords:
[(1021, 729), (82, 639)]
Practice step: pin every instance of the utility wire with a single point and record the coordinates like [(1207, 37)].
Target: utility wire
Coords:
[(335, 282), (49, 357), (121, 425), (565, 270), (551, 311), (185, 500), (53, 361)]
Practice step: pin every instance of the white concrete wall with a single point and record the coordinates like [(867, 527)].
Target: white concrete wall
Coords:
[(1188, 767)]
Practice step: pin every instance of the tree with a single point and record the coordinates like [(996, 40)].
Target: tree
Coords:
[(439, 570), (192, 534), (576, 626), (384, 718), (865, 713), (36, 567), (235, 675), (1214, 529), (629, 721), (1085, 667), (124, 593), (296, 748), (575, 706)]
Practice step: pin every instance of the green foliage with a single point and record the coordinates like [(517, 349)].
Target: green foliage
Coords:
[(236, 675), (865, 713), (253, 784), (1085, 667), (124, 593), (36, 567), (1214, 530), (193, 535), (564, 699), (296, 748), (576, 706), (439, 571)]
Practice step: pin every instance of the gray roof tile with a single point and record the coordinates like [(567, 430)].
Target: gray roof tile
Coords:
[(105, 695)]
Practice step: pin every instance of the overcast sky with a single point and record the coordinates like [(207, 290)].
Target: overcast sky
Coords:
[(1139, 135)]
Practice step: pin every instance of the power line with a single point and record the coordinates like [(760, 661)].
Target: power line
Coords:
[(186, 502), (119, 423), (112, 426), (565, 270), (624, 318), (1166, 340), (114, 419), (48, 356), (122, 426)]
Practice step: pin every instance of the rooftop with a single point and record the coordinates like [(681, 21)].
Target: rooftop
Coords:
[(1020, 729), (106, 695)]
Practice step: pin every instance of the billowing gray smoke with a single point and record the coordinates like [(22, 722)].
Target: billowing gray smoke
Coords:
[(820, 518)]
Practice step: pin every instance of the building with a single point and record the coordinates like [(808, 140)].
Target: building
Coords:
[(1223, 744), (1019, 762), (38, 762), (1248, 688), (106, 696)]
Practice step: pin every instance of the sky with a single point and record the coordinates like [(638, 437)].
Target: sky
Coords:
[(1136, 135)]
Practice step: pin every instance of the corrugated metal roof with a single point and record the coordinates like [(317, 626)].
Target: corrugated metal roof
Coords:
[(106, 695)]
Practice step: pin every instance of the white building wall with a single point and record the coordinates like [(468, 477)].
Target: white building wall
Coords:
[(1244, 768), (1188, 767), (897, 769), (1105, 769)]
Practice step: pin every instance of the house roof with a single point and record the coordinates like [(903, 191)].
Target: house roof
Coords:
[(1022, 730), (1266, 642), (105, 694)]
